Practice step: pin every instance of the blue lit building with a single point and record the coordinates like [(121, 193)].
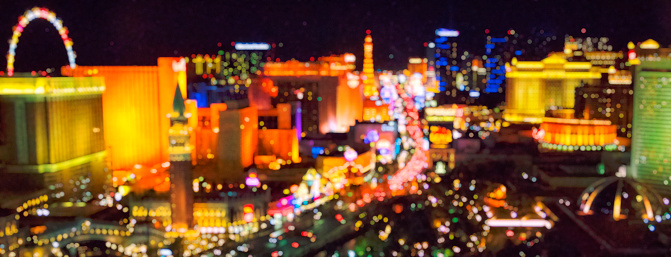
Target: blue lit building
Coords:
[(447, 65), (495, 59)]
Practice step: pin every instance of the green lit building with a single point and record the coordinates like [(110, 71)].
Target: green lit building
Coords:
[(651, 141)]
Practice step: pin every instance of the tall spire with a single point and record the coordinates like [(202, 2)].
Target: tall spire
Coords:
[(178, 102)]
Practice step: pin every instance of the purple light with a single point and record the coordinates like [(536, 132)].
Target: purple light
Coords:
[(372, 136), (350, 155), (252, 180)]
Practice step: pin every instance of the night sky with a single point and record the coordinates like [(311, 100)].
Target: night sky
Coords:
[(137, 32)]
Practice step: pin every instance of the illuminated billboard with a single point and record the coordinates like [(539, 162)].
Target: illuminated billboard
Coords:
[(251, 46), (439, 136)]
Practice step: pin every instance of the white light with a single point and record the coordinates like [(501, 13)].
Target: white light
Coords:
[(447, 33), (530, 223), (252, 46)]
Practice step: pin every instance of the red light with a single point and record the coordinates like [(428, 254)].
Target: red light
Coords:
[(277, 59), (219, 44), (338, 217), (275, 254), (272, 45), (312, 59), (368, 32), (426, 44), (204, 76), (583, 30), (232, 43), (304, 233), (486, 31), (510, 233), (294, 244), (508, 32), (631, 54), (248, 211)]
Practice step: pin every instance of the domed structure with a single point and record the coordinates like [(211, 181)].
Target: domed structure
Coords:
[(622, 198)]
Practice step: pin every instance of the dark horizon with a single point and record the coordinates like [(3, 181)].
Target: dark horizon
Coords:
[(136, 33)]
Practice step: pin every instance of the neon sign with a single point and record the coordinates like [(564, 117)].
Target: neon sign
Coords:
[(251, 46), (447, 33), (248, 212), (440, 136)]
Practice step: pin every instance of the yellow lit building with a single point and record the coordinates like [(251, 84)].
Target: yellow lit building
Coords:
[(535, 87), (369, 87), (53, 136)]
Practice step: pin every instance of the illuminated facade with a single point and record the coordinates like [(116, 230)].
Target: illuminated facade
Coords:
[(330, 99), (369, 87), (650, 144), (53, 136), (576, 134), (535, 87), (418, 65), (447, 66), (135, 103), (181, 194), (237, 142), (278, 138), (217, 209), (497, 55), (612, 102), (228, 75)]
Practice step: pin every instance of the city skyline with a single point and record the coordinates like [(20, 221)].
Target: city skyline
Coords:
[(520, 128), (133, 33)]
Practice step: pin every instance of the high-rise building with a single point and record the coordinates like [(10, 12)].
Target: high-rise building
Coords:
[(330, 95), (369, 87), (650, 155), (536, 87), (495, 58), (237, 141), (612, 100), (52, 136), (447, 66), (135, 103), (181, 194)]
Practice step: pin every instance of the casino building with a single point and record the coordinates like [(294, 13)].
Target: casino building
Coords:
[(52, 136)]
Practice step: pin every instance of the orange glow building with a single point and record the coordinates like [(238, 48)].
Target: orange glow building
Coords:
[(324, 87), (576, 134), (136, 102), (237, 142), (375, 111), (417, 65)]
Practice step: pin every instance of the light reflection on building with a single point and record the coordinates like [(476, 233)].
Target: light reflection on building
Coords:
[(535, 87)]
